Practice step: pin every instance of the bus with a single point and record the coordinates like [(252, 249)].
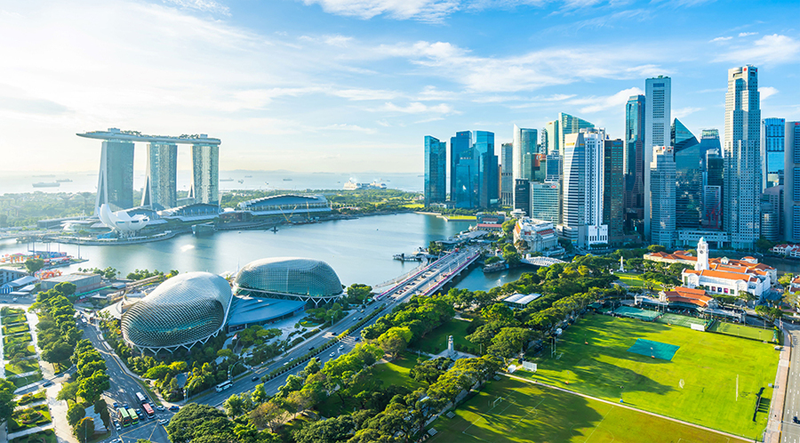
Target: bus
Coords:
[(123, 417), (134, 416), (148, 410), (141, 397), (223, 386)]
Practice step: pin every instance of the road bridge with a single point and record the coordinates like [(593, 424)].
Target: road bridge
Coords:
[(541, 261), (431, 278)]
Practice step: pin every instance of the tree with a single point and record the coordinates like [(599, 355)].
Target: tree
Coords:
[(395, 340), (69, 391), (508, 226), (194, 420), (84, 429), (91, 388), (358, 293), (764, 244), (430, 370), (268, 415), (259, 394), (335, 429), (65, 288), (785, 280), (233, 406), (101, 408), (34, 264), (75, 413), (7, 403), (509, 342), (498, 312), (656, 248)]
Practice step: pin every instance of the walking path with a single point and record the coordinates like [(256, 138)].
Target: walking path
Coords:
[(773, 433), (623, 405)]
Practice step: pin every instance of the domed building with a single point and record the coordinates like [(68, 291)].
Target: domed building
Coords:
[(181, 312), (289, 278)]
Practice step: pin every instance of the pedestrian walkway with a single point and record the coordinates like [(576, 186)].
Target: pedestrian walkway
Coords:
[(777, 406), (34, 430)]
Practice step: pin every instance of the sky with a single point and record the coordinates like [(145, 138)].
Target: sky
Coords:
[(355, 85)]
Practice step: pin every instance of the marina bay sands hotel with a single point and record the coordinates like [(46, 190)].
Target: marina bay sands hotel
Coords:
[(115, 181)]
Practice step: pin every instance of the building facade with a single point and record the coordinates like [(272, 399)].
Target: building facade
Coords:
[(662, 197), (742, 190), (507, 174), (772, 151), (161, 185), (115, 180), (435, 171), (461, 170), (486, 178), (522, 196), (713, 181), (772, 213), (658, 95), (791, 188), (525, 142), (552, 137), (545, 201), (569, 124), (205, 174), (689, 166), (583, 186), (634, 166), (613, 194)]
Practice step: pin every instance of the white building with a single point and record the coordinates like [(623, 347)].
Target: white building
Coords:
[(539, 235), (662, 197), (546, 201), (728, 277), (583, 187), (657, 120)]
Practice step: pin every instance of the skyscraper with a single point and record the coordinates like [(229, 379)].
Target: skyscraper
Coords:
[(552, 137), (689, 166), (161, 187), (569, 124), (525, 142), (713, 180), (435, 171), (115, 181), (522, 195), (582, 204), (486, 178), (205, 173), (658, 93), (545, 202), (662, 197), (742, 191), (634, 162), (461, 169), (791, 187), (613, 208), (507, 174), (772, 147), (772, 213)]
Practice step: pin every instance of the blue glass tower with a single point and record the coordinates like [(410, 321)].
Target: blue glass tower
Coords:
[(633, 162), (487, 179), (461, 169), (689, 166), (773, 148), (435, 170)]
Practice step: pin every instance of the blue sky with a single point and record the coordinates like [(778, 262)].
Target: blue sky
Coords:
[(354, 85)]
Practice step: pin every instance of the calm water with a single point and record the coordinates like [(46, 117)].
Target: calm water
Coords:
[(359, 250)]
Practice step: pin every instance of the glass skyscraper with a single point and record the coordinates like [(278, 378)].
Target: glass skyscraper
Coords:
[(115, 180), (658, 94), (634, 167), (486, 178), (772, 147), (161, 187), (613, 197), (713, 180), (461, 169), (205, 173), (569, 124), (662, 190), (689, 166), (545, 202), (525, 142), (435, 171), (507, 174), (791, 187)]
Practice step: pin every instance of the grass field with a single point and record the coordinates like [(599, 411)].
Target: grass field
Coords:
[(698, 385), (634, 280), (680, 320), (436, 340), (23, 367), (460, 217), (46, 436), (528, 413), (742, 331)]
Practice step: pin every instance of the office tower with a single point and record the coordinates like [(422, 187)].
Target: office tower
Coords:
[(791, 180), (662, 197), (115, 181), (461, 168), (569, 124), (507, 174), (545, 202), (772, 146), (771, 213), (657, 119), (486, 177), (742, 190), (713, 180), (552, 137), (435, 171), (522, 195), (634, 162), (525, 142), (553, 167), (205, 173), (613, 197), (161, 186), (689, 166), (582, 204)]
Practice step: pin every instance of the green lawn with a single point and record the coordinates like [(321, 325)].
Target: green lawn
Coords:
[(16, 329), (528, 413), (32, 397), (698, 385), (5, 311), (46, 436), (27, 351), (16, 423), (742, 331), (19, 338), (23, 367), (635, 280), (11, 319), (24, 381), (436, 341)]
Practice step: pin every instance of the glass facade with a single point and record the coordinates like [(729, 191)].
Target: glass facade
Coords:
[(205, 173), (773, 148), (525, 145), (184, 310), (545, 202), (461, 169), (689, 166), (161, 188), (634, 162), (791, 195), (569, 124), (487, 181), (293, 278), (115, 181), (613, 197), (435, 170), (522, 195), (713, 180), (507, 174), (662, 189)]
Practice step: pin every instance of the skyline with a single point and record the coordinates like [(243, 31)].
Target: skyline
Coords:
[(360, 83)]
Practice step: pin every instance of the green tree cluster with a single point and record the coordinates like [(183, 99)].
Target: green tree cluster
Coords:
[(57, 332)]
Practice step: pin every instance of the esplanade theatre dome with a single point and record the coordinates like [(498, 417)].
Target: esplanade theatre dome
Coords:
[(289, 278), (184, 310)]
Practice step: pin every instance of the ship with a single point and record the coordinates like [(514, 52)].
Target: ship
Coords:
[(241, 181), (226, 179), (64, 180), (46, 185), (287, 179), (248, 176)]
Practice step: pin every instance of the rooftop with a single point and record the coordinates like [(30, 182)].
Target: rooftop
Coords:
[(521, 299), (136, 136)]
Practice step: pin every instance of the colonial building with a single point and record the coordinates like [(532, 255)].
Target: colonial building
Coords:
[(723, 276)]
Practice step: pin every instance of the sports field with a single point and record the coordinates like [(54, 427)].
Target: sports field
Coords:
[(680, 320), (515, 411), (742, 331), (698, 385)]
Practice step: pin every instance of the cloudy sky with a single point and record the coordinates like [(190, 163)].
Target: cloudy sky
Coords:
[(354, 85)]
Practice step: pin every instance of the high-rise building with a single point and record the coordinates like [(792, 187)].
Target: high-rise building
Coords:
[(662, 197), (772, 147), (507, 174), (582, 204), (552, 137), (569, 124), (161, 186), (525, 147), (545, 202), (522, 195), (772, 213), (461, 169), (791, 187), (205, 173), (742, 191), (115, 181), (487, 180), (689, 166), (634, 165), (435, 171), (613, 197), (553, 167), (713, 180), (658, 93)]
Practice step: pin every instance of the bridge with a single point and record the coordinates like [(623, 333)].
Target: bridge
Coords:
[(541, 261), (429, 279)]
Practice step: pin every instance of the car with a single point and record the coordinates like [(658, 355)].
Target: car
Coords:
[(125, 406), (163, 422), (174, 408), (116, 405), (255, 378), (47, 384), (795, 419), (332, 354), (311, 348), (161, 408), (286, 363), (357, 339)]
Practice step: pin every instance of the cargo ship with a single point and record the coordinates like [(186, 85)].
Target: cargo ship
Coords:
[(46, 185)]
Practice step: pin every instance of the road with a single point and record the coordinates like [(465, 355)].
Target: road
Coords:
[(419, 283), (790, 432)]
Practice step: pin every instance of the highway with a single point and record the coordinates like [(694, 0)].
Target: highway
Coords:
[(423, 282), (790, 431)]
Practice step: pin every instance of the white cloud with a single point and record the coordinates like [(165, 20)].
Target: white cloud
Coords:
[(431, 93), (348, 127), (419, 108), (683, 112), (202, 5), (425, 10), (721, 39), (769, 49), (597, 104), (745, 34), (767, 91)]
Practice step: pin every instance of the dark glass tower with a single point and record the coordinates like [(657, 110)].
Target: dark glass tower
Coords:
[(486, 179), (613, 212), (435, 170), (461, 169), (689, 166), (633, 163), (713, 179)]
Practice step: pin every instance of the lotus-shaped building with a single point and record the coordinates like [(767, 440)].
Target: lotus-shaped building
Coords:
[(289, 278)]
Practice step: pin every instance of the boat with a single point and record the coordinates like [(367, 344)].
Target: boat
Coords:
[(45, 175), (287, 179), (64, 180), (241, 181), (495, 267), (248, 176), (46, 184), (226, 179)]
